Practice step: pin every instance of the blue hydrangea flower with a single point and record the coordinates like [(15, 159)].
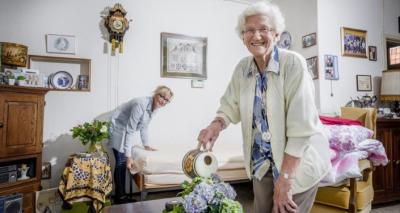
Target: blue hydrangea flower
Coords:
[(226, 190), (194, 203), (205, 190)]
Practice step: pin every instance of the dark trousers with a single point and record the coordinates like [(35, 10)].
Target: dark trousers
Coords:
[(119, 174)]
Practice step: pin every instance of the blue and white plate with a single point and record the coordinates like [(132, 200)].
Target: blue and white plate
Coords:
[(61, 80)]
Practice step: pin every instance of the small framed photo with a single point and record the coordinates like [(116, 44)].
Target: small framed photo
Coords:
[(46, 170), (183, 56), (312, 65), (309, 40), (364, 83), (372, 53), (354, 42), (331, 67), (61, 44)]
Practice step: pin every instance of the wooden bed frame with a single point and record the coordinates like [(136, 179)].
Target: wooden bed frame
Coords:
[(138, 179)]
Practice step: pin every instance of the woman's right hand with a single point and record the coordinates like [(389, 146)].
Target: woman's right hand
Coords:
[(209, 135), (130, 164)]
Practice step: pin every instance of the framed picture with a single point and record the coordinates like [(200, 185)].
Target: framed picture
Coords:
[(331, 67), (14, 54), (354, 42), (312, 64), (62, 44), (183, 56), (372, 53), (309, 40), (364, 83), (46, 170)]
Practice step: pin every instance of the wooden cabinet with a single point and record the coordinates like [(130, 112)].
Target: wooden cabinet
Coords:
[(21, 129), (386, 178)]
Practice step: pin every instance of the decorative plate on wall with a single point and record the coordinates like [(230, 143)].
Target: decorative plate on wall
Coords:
[(61, 80), (285, 41)]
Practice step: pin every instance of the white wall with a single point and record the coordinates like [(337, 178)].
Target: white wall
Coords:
[(116, 79), (391, 13), (360, 14), (300, 24)]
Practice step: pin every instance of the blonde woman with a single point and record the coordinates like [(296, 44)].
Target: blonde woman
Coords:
[(135, 115)]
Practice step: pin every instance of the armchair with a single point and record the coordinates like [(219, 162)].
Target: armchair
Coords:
[(354, 195)]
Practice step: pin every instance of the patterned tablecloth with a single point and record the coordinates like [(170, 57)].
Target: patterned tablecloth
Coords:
[(87, 177)]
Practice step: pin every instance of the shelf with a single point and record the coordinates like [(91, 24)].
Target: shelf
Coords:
[(48, 65)]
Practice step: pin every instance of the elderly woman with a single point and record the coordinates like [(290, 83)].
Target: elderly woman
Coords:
[(132, 116), (271, 93)]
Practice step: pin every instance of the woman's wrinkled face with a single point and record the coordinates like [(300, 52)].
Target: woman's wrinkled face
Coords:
[(258, 35), (160, 100)]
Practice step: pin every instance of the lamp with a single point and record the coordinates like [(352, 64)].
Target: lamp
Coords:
[(390, 87)]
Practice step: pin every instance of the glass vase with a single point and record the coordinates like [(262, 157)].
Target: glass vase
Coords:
[(95, 148)]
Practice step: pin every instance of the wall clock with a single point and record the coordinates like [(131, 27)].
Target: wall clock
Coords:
[(285, 41), (117, 25)]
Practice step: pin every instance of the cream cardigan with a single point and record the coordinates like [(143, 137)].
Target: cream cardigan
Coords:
[(292, 115)]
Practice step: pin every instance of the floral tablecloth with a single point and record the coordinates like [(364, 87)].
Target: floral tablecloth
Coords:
[(87, 176)]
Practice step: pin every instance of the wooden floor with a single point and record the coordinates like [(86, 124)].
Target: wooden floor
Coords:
[(245, 197)]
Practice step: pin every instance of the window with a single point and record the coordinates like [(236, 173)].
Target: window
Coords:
[(393, 53)]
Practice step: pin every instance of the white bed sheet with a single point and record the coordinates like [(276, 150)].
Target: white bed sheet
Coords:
[(168, 160)]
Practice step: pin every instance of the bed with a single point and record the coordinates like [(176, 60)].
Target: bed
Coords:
[(162, 170)]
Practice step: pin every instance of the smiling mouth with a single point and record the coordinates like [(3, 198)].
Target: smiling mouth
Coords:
[(257, 44)]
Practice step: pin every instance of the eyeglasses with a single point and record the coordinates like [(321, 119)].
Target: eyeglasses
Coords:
[(262, 31), (164, 98)]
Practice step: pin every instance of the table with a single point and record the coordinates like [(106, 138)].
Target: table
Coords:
[(86, 176), (151, 206)]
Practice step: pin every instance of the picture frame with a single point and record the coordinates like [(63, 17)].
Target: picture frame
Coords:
[(372, 53), (183, 56), (354, 42), (364, 83), (309, 40), (60, 44), (331, 67), (312, 65), (46, 170), (13, 54)]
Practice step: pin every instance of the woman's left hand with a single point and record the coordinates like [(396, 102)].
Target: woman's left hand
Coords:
[(148, 148), (283, 201)]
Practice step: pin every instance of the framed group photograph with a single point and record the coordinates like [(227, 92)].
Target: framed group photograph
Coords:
[(364, 82), (354, 42), (61, 44), (372, 53), (183, 56), (331, 67), (312, 64), (309, 40)]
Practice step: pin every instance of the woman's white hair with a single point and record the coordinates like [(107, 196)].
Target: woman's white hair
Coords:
[(262, 8)]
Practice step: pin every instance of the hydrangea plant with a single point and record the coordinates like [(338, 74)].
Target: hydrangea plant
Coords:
[(207, 195)]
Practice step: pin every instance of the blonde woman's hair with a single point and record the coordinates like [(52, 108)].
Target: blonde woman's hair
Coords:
[(163, 90)]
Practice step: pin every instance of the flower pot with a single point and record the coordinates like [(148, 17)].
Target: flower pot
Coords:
[(21, 82), (11, 81)]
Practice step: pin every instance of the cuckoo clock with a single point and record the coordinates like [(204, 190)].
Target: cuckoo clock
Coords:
[(116, 24)]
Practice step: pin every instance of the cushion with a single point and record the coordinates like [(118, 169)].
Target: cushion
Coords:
[(345, 138), (339, 196)]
